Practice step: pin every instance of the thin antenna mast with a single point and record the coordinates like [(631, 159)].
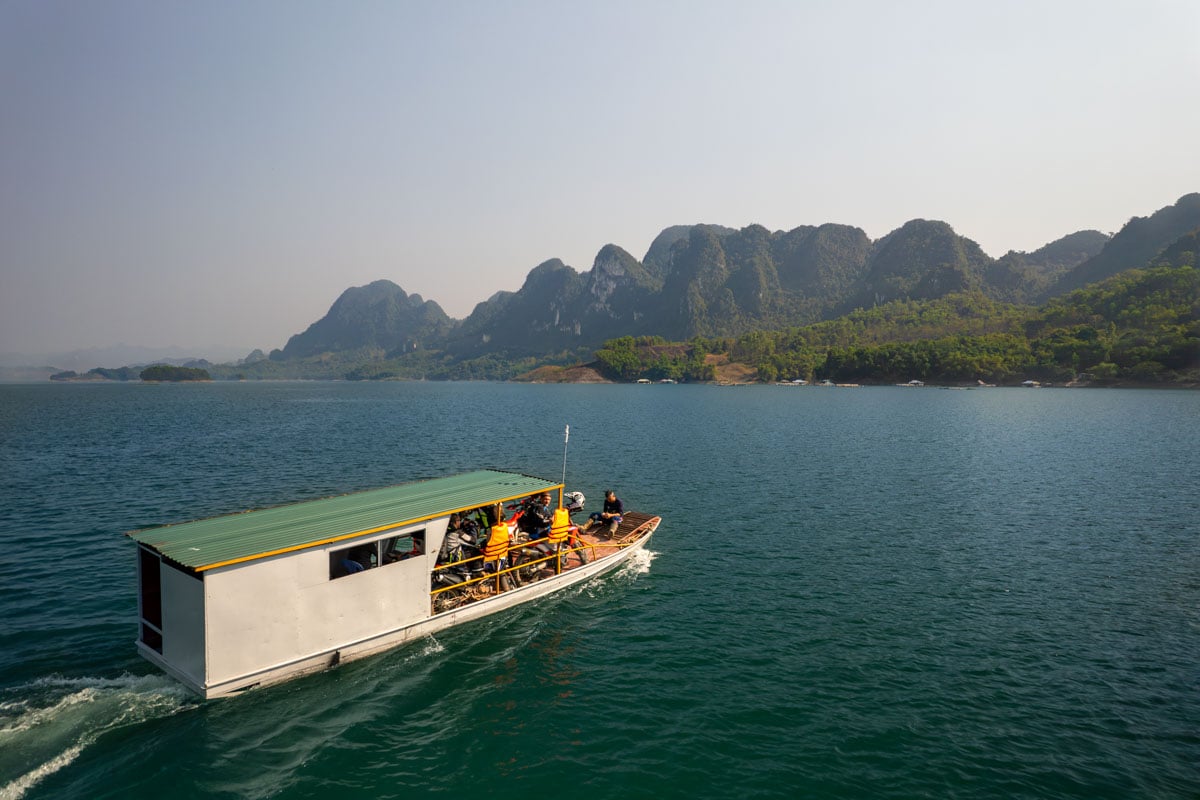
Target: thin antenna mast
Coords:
[(566, 438)]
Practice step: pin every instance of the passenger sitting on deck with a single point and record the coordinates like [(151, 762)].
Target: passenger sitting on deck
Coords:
[(460, 532), (540, 518), (611, 515)]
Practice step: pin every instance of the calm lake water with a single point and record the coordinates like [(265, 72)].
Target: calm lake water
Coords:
[(855, 593)]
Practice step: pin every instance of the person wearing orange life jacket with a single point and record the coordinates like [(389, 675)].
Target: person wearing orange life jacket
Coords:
[(495, 550), (496, 547), (560, 529)]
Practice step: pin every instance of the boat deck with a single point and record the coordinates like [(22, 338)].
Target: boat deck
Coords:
[(583, 549), (600, 544)]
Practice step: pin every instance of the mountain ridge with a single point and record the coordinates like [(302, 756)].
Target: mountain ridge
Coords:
[(712, 280), (738, 280)]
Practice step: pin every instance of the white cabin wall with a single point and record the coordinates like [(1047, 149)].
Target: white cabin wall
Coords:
[(183, 621), (271, 611), (435, 534)]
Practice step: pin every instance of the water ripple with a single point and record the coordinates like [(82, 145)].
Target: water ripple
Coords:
[(854, 594)]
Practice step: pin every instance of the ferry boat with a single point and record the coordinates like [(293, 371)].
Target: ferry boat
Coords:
[(244, 600)]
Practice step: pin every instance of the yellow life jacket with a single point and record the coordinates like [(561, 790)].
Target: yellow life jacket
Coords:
[(560, 526), (497, 543)]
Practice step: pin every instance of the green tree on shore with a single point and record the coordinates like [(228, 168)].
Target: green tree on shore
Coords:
[(166, 372)]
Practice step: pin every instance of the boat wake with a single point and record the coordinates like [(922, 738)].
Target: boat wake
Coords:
[(639, 563), (55, 719), (429, 647)]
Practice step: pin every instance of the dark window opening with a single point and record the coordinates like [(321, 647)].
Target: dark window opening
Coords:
[(398, 548), (381, 552), (151, 587), (151, 638)]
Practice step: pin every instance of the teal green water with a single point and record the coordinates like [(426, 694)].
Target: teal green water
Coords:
[(854, 594)]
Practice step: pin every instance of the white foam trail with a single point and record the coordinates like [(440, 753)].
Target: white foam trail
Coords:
[(31, 718), (146, 684), (639, 562), (18, 788), (41, 735), (635, 566), (429, 647)]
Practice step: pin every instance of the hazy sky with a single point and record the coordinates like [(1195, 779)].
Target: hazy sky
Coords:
[(202, 173)]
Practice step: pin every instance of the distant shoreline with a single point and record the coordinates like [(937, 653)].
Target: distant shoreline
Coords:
[(94, 380)]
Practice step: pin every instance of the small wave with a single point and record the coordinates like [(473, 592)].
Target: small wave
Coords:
[(30, 718), (23, 784), (639, 562), (61, 717), (429, 647), (144, 684), (637, 565), (7, 707)]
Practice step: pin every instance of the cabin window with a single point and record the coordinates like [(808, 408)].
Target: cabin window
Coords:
[(381, 552)]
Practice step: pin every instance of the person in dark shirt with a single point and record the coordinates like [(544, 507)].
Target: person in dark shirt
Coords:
[(610, 517), (539, 517)]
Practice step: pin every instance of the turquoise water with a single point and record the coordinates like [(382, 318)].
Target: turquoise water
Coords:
[(854, 594)]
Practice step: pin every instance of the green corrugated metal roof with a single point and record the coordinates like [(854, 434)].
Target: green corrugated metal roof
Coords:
[(218, 541)]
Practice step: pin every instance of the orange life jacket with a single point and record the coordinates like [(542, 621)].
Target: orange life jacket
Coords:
[(497, 543), (560, 527)]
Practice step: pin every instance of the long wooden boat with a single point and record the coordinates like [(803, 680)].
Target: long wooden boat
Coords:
[(233, 602)]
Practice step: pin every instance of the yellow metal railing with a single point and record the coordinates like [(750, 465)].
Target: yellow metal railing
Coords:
[(557, 557)]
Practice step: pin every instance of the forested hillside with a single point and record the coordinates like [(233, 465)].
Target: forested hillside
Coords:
[(1135, 245), (1139, 327)]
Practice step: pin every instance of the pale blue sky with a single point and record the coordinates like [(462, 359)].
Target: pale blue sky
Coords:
[(203, 173)]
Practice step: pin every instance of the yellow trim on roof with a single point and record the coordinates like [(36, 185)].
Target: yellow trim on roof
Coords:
[(349, 536), (214, 542)]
